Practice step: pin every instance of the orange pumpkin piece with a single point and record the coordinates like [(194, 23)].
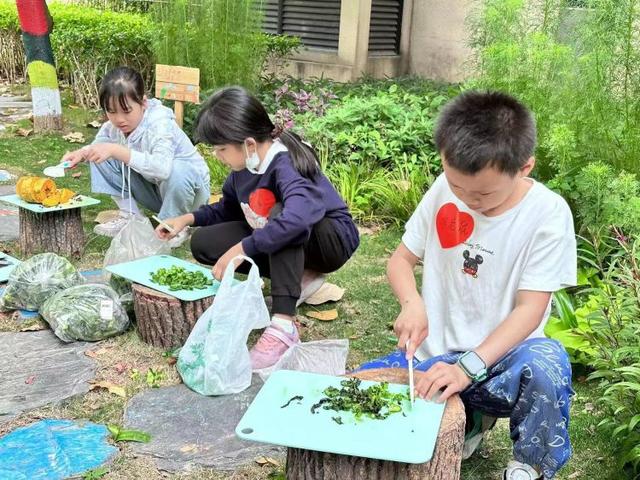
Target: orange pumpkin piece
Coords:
[(52, 200), (66, 195), (35, 189)]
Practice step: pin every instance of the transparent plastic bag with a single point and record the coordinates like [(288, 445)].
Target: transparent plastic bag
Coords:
[(36, 279), (215, 360), (328, 357), (136, 240), (87, 312)]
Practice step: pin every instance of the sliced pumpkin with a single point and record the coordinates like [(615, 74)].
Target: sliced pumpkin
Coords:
[(52, 200), (35, 189), (66, 195)]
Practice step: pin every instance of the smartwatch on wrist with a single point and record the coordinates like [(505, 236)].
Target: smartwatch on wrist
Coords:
[(473, 366)]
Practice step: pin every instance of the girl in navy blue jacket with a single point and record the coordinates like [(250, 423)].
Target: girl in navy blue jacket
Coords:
[(277, 208)]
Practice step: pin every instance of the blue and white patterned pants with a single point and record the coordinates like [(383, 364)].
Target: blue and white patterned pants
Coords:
[(531, 385)]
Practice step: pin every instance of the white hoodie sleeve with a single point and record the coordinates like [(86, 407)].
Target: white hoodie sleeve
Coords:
[(156, 160)]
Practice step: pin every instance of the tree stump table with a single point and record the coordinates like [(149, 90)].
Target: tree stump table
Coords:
[(444, 464), (51, 229), (58, 232), (165, 321)]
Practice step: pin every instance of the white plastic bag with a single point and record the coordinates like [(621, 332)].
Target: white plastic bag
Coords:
[(215, 360), (328, 357), (136, 240)]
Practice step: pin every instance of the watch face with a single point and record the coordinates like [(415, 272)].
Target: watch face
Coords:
[(472, 362)]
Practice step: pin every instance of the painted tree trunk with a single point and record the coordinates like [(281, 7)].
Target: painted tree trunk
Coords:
[(36, 24)]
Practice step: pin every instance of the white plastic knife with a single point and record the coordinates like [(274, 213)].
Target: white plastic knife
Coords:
[(411, 387)]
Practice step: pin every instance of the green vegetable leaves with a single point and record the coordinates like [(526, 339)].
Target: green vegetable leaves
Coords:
[(375, 401), (179, 278)]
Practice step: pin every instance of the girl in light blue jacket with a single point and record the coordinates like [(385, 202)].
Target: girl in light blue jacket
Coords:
[(142, 155)]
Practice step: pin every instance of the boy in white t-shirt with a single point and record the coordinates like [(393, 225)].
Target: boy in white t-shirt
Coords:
[(495, 245)]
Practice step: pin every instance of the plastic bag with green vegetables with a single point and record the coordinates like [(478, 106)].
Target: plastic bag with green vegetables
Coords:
[(36, 279), (85, 312)]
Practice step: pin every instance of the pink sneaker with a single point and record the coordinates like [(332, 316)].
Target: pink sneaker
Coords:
[(271, 346)]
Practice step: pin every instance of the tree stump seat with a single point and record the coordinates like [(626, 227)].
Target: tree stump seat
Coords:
[(163, 320), (444, 464), (58, 232)]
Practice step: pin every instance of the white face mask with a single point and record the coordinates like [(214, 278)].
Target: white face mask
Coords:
[(253, 161)]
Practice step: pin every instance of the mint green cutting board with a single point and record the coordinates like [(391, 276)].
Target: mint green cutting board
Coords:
[(139, 271), (5, 271), (398, 438), (76, 202)]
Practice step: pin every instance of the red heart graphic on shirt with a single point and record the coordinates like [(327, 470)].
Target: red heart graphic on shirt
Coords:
[(453, 226), (262, 201)]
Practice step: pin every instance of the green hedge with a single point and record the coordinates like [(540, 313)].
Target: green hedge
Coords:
[(86, 43)]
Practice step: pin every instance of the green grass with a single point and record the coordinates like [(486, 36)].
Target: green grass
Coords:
[(366, 314)]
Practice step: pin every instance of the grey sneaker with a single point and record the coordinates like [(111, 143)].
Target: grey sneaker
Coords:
[(477, 425), (520, 471), (113, 227)]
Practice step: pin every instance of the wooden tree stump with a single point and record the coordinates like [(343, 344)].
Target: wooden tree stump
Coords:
[(444, 465), (58, 232), (165, 321)]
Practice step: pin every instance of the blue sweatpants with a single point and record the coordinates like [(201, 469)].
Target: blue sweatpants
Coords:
[(531, 385)]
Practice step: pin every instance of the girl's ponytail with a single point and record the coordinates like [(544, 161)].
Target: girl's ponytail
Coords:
[(232, 115), (303, 156)]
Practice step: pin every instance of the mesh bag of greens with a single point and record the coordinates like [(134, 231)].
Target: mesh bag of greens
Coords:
[(35, 280), (85, 312)]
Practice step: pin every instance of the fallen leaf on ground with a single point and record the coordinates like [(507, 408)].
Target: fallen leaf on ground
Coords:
[(191, 447), (74, 137), (110, 387), (30, 380), (76, 175), (324, 315), (95, 353), (267, 460), (74, 107), (33, 327), (575, 474), (354, 337), (42, 162), (214, 198), (94, 124), (328, 292), (24, 132), (172, 360)]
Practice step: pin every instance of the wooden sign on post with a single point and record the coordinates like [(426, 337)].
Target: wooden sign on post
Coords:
[(181, 84)]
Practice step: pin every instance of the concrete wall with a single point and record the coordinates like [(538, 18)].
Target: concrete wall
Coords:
[(433, 44), (438, 40)]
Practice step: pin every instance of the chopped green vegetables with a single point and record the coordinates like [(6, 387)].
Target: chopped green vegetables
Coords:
[(179, 278), (297, 397), (375, 401)]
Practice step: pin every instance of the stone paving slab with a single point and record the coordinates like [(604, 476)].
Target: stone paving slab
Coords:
[(9, 227), (38, 369), (189, 430)]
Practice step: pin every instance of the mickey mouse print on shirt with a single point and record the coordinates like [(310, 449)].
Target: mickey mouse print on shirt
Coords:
[(454, 228), (470, 265), (257, 211)]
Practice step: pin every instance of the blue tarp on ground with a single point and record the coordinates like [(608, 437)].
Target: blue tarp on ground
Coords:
[(53, 449)]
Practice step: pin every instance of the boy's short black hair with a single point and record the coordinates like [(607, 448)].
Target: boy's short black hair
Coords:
[(485, 129)]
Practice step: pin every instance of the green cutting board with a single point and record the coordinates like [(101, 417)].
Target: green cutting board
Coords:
[(76, 202), (139, 271), (410, 438), (5, 271)]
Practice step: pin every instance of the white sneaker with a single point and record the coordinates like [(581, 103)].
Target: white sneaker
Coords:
[(520, 471), (180, 238), (113, 227), (311, 283)]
